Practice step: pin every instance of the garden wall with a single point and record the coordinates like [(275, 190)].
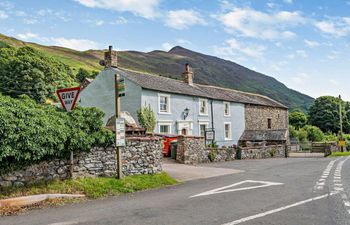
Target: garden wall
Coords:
[(192, 150), (140, 156)]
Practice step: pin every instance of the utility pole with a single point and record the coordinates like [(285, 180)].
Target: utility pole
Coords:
[(341, 122), (117, 115)]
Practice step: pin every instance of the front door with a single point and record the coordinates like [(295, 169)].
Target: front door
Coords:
[(184, 127), (184, 131)]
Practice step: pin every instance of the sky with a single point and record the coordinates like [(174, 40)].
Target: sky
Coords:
[(303, 43)]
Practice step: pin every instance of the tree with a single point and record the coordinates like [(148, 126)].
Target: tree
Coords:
[(324, 113), (83, 73), (28, 71), (297, 119), (313, 133), (147, 118)]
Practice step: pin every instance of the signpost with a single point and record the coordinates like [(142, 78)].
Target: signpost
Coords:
[(68, 97), (210, 135), (120, 132), (119, 123)]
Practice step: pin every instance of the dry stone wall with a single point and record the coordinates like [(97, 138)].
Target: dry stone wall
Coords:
[(192, 150), (140, 156)]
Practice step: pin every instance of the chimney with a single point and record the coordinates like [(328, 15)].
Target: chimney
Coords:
[(110, 58), (187, 76)]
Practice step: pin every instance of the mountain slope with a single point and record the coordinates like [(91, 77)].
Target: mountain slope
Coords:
[(207, 69)]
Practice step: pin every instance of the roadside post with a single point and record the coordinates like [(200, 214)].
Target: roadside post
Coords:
[(341, 142), (68, 98), (119, 123)]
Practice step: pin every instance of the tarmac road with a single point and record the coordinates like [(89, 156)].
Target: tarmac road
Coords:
[(270, 191)]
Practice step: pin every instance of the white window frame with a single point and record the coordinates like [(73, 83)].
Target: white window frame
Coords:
[(199, 127), (229, 108), (199, 107), (169, 105), (165, 123), (230, 131)]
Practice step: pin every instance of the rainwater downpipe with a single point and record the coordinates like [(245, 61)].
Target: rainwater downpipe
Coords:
[(212, 119)]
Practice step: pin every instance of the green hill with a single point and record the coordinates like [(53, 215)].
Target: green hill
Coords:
[(207, 69)]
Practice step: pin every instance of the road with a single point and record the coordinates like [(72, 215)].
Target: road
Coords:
[(271, 191)]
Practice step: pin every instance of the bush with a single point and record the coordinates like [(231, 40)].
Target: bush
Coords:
[(147, 118), (313, 133), (297, 119), (30, 132)]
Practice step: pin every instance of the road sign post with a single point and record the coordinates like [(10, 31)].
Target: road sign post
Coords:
[(68, 97), (119, 125)]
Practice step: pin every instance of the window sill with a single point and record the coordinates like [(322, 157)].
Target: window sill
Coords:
[(164, 112)]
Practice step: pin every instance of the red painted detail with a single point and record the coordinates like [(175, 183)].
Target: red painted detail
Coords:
[(58, 92)]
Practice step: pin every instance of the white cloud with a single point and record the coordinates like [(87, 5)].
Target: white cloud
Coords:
[(77, 44), (182, 19), (3, 15), (302, 53), (183, 42), (288, 1), (28, 36), (120, 20), (30, 21), (311, 44), (334, 82), (300, 79), (99, 22), (232, 47), (337, 27), (167, 46), (252, 23), (144, 8), (62, 15)]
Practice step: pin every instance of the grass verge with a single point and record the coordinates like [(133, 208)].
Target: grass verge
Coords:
[(92, 187), (335, 154)]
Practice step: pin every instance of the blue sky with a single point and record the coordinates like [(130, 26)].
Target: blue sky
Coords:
[(304, 44)]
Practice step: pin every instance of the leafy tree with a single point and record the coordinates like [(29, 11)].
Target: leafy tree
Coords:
[(147, 118), (30, 132), (83, 73), (28, 71), (324, 113), (313, 133), (297, 119)]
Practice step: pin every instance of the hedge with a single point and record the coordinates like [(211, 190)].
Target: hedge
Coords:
[(30, 132)]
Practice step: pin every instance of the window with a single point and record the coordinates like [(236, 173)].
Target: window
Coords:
[(165, 128), (203, 106), (227, 111), (269, 123), (227, 131), (202, 128), (164, 103)]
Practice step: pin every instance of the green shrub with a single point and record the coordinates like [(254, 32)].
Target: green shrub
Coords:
[(313, 133), (30, 132), (147, 118)]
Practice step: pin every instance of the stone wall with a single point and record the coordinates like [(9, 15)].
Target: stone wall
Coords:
[(257, 116), (140, 156), (192, 150)]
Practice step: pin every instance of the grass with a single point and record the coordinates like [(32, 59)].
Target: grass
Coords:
[(93, 187), (336, 154)]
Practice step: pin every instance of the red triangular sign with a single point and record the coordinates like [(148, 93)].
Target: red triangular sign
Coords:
[(68, 97)]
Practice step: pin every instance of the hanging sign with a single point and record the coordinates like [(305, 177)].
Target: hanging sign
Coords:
[(120, 132), (210, 135), (68, 97)]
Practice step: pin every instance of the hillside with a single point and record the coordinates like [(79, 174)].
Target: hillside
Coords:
[(207, 69)]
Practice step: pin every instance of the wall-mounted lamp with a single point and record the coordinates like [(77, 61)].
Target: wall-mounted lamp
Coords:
[(185, 113)]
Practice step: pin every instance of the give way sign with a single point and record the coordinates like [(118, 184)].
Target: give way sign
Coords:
[(68, 97)]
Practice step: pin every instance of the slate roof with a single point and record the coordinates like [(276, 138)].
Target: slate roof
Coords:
[(164, 84), (264, 135)]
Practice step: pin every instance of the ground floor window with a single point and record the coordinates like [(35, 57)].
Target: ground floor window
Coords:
[(227, 131), (165, 128)]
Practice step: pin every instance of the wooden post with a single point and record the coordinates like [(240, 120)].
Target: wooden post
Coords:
[(117, 115)]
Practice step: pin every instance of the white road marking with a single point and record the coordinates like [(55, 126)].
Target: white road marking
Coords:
[(65, 223), (337, 184), (225, 188), (322, 181), (242, 220)]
